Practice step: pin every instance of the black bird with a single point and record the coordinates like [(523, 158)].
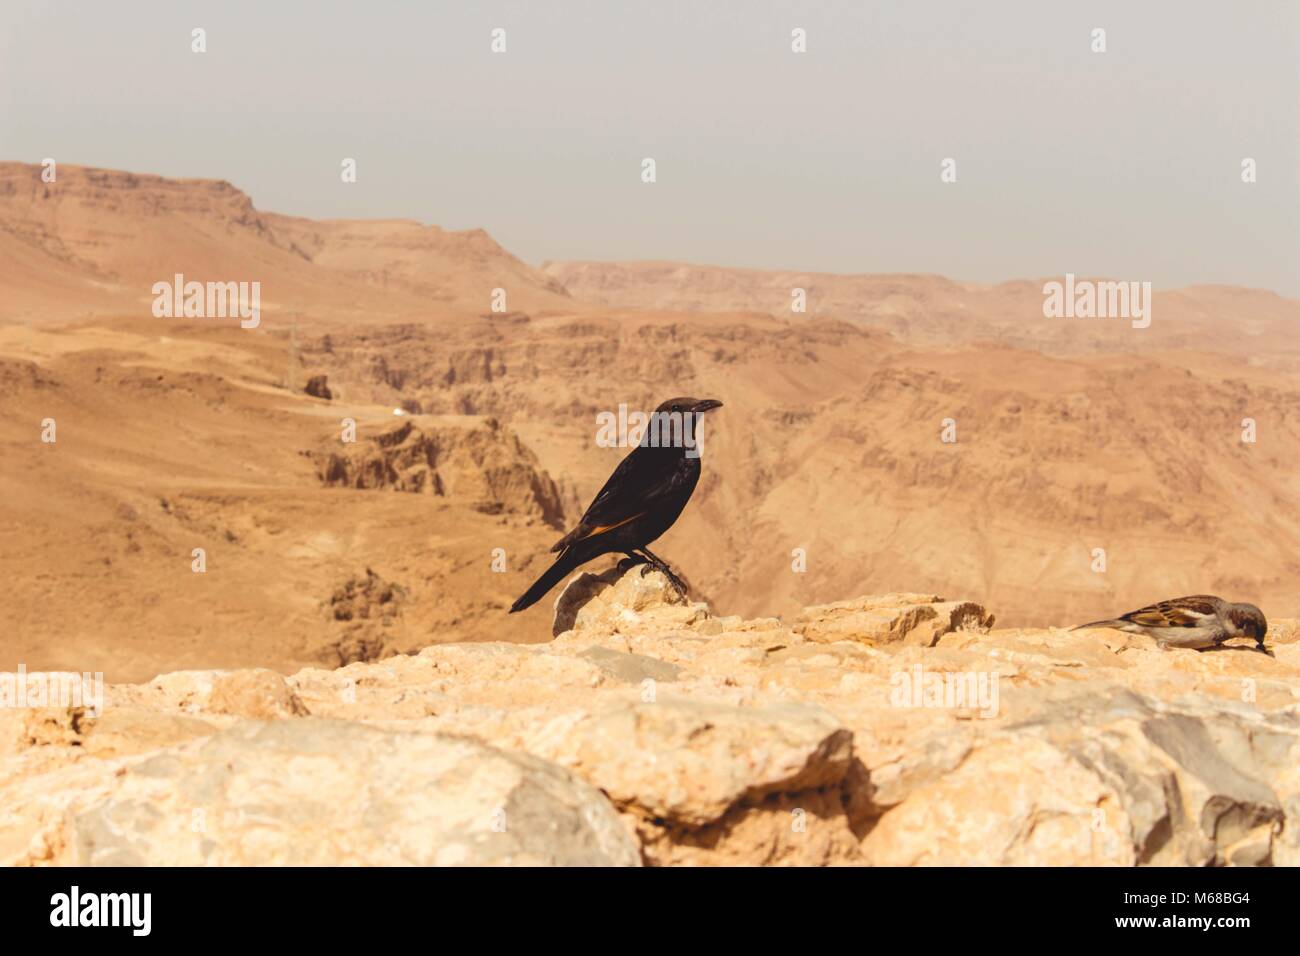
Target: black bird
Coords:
[(639, 502)]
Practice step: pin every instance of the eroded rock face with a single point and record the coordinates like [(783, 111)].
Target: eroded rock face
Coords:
[(893, 730), (482, 464), (318, 386), (909, 618), (362, 608)]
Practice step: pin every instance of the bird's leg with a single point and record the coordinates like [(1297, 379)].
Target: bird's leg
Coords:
[(662, 566)]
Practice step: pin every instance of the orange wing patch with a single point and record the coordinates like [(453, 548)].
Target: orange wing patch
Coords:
[(608, 527)]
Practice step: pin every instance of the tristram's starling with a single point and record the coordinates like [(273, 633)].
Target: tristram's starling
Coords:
[(1198, 622), (639, 502)]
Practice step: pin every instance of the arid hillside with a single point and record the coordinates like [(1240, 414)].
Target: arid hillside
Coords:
[(935, 312), (825, 474), (94, 241)]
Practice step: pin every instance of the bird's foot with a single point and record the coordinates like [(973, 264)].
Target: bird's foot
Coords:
[(678, 584), (662, 567), (635, 560)]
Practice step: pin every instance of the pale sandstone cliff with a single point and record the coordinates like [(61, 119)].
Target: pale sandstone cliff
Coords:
[(650, 731)]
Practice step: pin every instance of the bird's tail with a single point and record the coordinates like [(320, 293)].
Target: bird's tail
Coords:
[(1117, 624), (553, 575)]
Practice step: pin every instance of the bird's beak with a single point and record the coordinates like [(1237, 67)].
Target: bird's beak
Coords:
[(707, 405)]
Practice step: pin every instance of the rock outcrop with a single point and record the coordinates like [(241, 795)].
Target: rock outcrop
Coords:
[(481, 464), (321, 792), (896, 730), (318, 386), (362, 608)]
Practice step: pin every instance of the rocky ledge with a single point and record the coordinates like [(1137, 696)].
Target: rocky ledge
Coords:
[(893, 730)]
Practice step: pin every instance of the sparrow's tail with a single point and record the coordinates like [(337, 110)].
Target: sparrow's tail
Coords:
[(554, 574), (1117, 624)]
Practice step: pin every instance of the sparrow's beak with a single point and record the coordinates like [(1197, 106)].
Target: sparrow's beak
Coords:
[(707, 405)]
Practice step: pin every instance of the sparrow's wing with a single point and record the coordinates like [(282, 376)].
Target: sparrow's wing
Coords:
[(1191, 611), (642, 480)]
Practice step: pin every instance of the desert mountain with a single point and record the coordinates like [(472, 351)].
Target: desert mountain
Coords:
[(825, 475), (95, 241), (935, 312)]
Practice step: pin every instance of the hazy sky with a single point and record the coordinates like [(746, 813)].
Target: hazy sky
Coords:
[(1124, 163)]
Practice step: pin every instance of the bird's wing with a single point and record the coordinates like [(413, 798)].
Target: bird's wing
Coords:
[(640, 482), (1191, 611)]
